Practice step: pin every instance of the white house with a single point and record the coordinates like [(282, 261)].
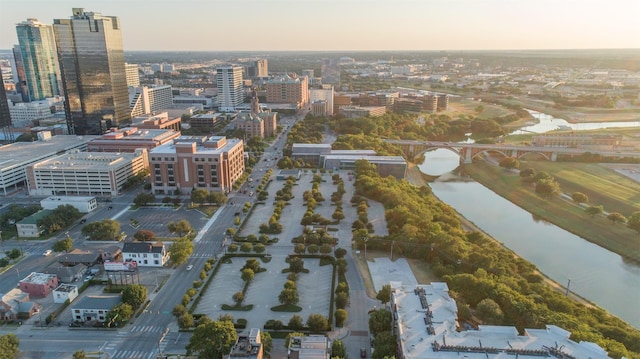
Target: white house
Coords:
[(145, 254), (94, 308), (65, 292)]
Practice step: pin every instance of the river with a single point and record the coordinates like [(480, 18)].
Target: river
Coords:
[(595, 273)]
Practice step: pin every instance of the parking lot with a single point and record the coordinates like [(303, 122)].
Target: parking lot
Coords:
[(313, 288)]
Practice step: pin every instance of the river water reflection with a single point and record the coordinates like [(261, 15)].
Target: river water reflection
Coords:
[(597, 274)]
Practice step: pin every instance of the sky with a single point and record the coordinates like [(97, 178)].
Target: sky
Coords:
[(351, 25)]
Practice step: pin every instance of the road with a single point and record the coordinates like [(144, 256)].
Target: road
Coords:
[(141, 337)]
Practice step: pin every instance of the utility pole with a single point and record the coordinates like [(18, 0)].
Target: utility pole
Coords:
[(566, 294)]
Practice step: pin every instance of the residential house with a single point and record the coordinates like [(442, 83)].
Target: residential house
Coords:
[(16, 305), (145, 254), (94, 308)]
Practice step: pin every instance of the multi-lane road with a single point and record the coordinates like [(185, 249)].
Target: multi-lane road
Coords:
[(141, 337)]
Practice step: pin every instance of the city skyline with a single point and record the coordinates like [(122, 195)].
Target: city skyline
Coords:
[(350, 25)]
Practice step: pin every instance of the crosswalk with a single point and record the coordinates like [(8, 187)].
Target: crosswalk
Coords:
[(112, 347)]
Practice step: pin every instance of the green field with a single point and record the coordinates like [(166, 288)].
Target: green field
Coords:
[(615, 237)]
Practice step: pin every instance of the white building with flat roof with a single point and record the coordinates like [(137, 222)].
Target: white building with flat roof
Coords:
[(149, 99), (425, 324), (85, 173), (65, 292), (15, 157), (84, 204)]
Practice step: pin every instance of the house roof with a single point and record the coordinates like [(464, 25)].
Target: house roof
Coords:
[(64, 271), (142, 247), (98, 302)]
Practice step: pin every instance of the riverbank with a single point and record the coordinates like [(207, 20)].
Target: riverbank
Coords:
[(417, 178), (616, 238)]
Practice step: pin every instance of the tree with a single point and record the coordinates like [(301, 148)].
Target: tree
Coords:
[(489, 311), (579, 197), (63, 245), (509, 163), (180, 251), (340, 252), (134, 295), (9, 344), (385, 344), (633, 221), (289, 296), (144, 235), (616, 217), (143, 199), (246, 247), (379, 321), (80, 354), (267, 342), (182, 227), (547, 187), (186, 320), (594, 210), (313, 249), (259, 248), (299, 248), (341, 316), (247, 275), (338, 349), (212, 340), (296, 265), (120, 314), (384, 295), (104, 230), (325, 249), (238, 297), (342, 300), (199, 196), (317, 322), (296, 322)]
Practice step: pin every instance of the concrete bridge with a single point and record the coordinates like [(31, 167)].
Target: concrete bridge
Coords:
[(468, 151)]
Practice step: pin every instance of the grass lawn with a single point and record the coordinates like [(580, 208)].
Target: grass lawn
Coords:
[(466, 107), (603, 185), (614, 237)]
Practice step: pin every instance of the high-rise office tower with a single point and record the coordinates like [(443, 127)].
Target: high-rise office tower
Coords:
[(5, 115), (229, 80), (38, 59), (133, 75), (93, 73)]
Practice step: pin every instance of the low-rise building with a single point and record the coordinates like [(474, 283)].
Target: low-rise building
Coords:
[(362, 111), (84, 204), (206, 120), (93, 308), (157, 121), (87, 257), (65, 292), (129, 139), (85, 173), (395, 166), (145, 254), (66, 274), (426, 326), (309, 347), (16, 304), (248, 347), (28, 227), (38, 284)]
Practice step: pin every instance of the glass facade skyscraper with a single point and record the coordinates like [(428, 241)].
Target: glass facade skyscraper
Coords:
[(91, 59), (38, 60)]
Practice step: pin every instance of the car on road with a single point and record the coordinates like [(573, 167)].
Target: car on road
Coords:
[(190, 267), (363, 353), (47, 252), (82, 221)]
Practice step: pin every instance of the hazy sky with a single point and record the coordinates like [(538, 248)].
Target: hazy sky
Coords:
[(263, 25)]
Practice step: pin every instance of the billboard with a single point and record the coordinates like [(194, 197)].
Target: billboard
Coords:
[(120, 266)]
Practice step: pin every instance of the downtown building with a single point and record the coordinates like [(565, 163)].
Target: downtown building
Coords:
[(321, 100), (289, 89), (36, 61), (92, 69), (196, 162), (149, 99), (256, 122), (85, 173), (129, 139), (230, 88)]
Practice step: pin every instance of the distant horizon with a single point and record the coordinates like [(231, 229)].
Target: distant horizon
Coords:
[(350, 25)]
